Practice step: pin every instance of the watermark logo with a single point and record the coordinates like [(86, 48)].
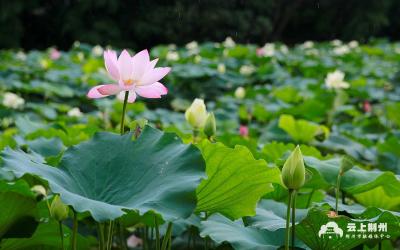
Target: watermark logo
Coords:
[(330, 230), (356, 230)]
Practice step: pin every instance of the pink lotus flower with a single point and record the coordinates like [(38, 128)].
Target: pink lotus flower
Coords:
[(244, 130), (136, 74), (54, 54), (260, 52), (367, 107)]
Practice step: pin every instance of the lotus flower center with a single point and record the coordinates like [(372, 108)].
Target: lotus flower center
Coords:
[(129, 82)]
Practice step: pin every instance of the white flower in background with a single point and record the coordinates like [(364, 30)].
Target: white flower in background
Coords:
[(221, 68), (240, 93), (341, 50), (192, 45), (196, 114), (397, 50), (97, 50), (197, 59), (269, 49), (336, 42), (74, 112), (76, 44), (308, 44), (312, 52), (12, 100), (229, 43), (193, 48), (217, 45), (21, 56), (172, 56), (247, 70), (284, 49), (353, 44), (172, 46), (335, 80)]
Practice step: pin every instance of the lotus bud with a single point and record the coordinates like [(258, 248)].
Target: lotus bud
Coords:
[(221, 68), (210, 128), (39, 190), (196, 114), (346, 164), (293, 171), (58, 210), (240, 93)]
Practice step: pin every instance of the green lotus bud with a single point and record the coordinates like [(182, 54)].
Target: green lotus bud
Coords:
[(58, 210), (346, 164), (39, 190), (240, 93), (210, 128), (293, 171), (196, 114)]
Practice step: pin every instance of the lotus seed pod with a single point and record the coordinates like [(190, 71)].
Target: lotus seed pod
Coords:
[(210, 127), (58, 210), (293, 171)]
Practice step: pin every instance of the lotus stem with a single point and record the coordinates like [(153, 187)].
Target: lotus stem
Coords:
[(151, 237), (167, 237), (343, 198), (195, 135), (310, 198), (170, 243), (206, 238), (121, 235), (100, 235), (157, 233), (293, 217), (337, 192), (145, 238), (110, 235), (289, 205), (61, 234), (74, 230), (123, 112), (48, 206)]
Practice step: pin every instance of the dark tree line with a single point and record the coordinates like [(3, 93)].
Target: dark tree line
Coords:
[(142, 23)]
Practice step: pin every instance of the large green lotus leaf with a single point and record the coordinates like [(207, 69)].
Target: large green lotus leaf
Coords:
[(393, 112), (301, 130), (221, 229), (357, 210), (46, 147), (271, 215), (310, 228), (236, 181), (274, 151), (336, 142), (18, 210), (377, 197), (355, 180), (47, 237), (389, 154), (110, 173), (330, 201)]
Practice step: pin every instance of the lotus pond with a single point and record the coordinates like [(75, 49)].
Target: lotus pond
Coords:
[(213, 146)]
